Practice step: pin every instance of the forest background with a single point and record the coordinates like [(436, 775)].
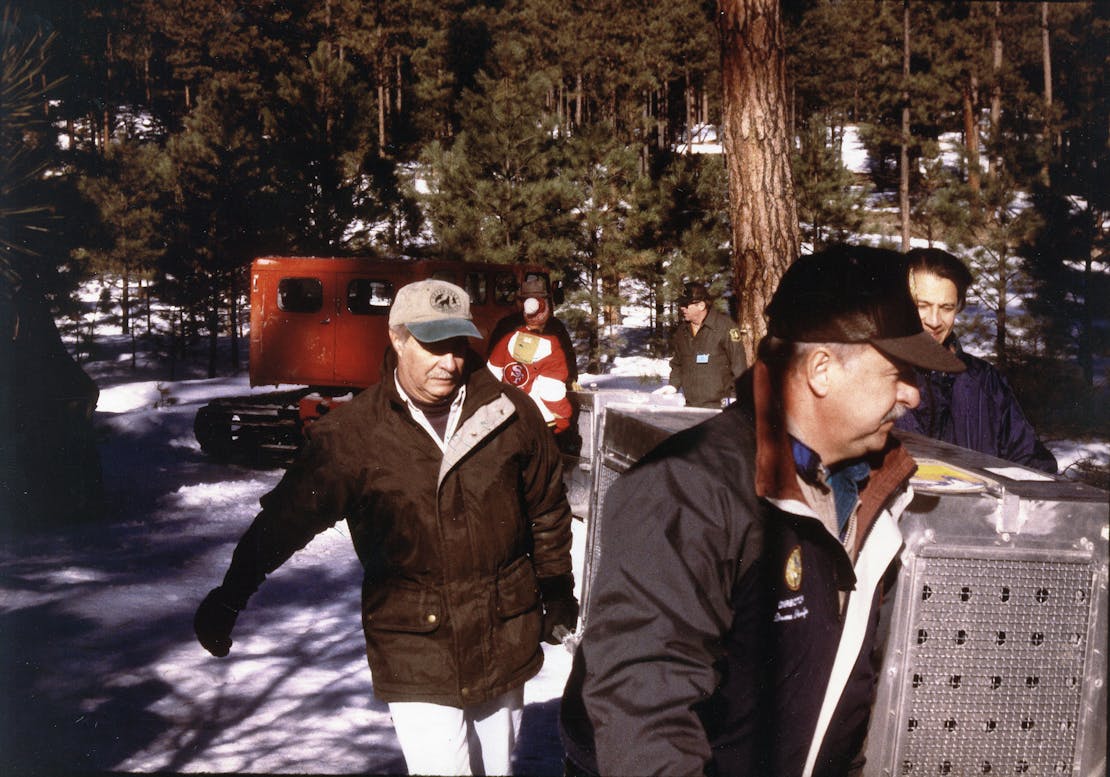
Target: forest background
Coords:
[(163, 145)]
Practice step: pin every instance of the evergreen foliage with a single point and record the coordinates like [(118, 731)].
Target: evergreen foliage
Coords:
[(203, 134)]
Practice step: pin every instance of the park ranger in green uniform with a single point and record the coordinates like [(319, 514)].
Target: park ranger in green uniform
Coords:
[(706, 353)]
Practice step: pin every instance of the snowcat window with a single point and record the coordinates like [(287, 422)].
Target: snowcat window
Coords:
[(367, 297), (300, 295), (504, 288), (476, 288)]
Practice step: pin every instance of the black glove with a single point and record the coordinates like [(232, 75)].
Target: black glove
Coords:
[(213, 623), (560, 608)]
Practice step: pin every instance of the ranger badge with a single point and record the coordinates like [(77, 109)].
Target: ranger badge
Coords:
[(793, 572)]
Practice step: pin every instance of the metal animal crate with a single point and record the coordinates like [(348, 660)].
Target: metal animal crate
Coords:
[(996, 630), (996, 658)]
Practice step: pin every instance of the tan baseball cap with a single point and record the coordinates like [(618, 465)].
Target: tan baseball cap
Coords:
[(433, 310)]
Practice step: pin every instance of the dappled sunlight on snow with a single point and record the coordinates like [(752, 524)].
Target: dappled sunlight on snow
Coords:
[(227, 493)]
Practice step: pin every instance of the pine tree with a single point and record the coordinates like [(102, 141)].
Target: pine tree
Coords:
[(681, 222), (1066, 244), (49, 461), (497, 192), (608, 194), (831, 203), (131, 191), (224, 203), (761, 191)]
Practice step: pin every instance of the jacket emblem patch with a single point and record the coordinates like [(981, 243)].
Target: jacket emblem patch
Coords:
[(792, 575), (516, 374), (734, 334)]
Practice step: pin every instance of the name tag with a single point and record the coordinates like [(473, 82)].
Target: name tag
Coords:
[(701, 358), (525, 347)]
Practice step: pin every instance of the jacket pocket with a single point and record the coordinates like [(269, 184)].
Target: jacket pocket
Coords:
[(411, 610), (517, 590)]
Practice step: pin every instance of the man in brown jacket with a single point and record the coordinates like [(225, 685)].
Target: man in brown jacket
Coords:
[(452, 488)]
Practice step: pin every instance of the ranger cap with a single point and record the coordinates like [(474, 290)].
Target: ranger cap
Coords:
[(693, 292)]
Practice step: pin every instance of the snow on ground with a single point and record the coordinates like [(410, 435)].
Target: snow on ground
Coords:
[(99, 664), (101, 668)]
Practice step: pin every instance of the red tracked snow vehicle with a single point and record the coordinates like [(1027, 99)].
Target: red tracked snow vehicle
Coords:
[(321, 324)]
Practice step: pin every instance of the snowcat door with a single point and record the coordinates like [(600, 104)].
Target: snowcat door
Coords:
[(296, 342), (361, 327)]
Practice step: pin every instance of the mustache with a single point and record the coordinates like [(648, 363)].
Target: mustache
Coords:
[(895, 413)]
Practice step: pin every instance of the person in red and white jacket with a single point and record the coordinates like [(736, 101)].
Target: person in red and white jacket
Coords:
[(534, 360)]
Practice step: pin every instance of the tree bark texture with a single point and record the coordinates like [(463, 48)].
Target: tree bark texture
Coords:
[(904, 159), (762, 207), (996, 87), (1046, 64), (971, 136)]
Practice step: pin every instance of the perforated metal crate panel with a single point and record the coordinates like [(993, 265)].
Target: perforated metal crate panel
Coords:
[(998, 650), (995, 661)]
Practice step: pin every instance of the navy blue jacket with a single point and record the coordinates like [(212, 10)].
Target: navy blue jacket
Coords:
[(976, 409), (715, 641)]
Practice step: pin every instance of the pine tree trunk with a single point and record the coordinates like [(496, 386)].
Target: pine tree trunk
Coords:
[(971, 136), (382, 93), (1085, 345), (233, 311), (757, 146), (1000, 325), (996, 88), (1046, 55), (125, 302), (594, 339), (690, 107), (578, 99), (397, 104), (213, 316), (904, 164)]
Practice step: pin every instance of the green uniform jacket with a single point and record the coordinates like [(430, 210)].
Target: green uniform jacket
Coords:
[(706, 366), (451, 543)]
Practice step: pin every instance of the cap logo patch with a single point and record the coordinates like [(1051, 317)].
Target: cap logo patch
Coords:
[(445, 301)]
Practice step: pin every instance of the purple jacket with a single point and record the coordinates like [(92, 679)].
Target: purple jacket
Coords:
[(976, 409)]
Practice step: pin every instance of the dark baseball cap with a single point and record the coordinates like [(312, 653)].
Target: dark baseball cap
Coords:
[(855, 294), (693, 292)]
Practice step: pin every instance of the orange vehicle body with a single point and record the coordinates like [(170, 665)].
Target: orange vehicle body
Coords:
[(323, 322)]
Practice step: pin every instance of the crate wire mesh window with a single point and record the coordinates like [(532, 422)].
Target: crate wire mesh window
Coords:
[(996, 659), (998, 652)]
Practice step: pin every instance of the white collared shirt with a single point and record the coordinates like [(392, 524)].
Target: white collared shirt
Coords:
[(418, 414)]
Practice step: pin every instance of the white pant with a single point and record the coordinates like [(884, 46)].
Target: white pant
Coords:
[(477, 740)]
